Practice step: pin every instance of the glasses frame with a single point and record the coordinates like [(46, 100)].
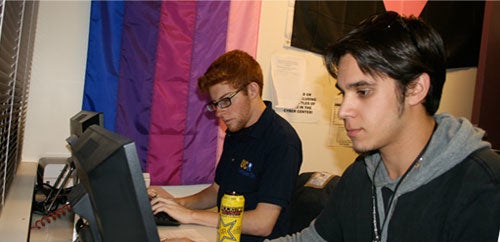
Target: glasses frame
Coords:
[(224, 102)]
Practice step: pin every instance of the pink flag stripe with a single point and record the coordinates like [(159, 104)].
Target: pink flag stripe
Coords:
[(243, 34), (243, 29)]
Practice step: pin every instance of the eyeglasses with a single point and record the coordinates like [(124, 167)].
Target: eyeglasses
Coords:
[(223, 102)]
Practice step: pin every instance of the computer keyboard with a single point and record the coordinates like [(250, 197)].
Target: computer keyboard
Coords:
[(163, 219)]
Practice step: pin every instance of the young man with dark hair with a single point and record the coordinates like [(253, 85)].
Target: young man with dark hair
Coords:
[(420, 176)]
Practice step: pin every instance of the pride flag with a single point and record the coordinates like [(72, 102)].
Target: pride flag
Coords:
[(143, 62)]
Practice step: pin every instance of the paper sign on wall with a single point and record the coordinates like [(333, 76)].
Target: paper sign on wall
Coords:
[(305, 111), (338, 135), (288, 74)]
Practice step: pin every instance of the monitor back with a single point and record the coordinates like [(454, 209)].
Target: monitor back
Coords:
[(83, 120), (108, 167)]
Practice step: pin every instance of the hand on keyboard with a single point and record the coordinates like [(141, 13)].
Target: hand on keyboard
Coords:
[(164, 219)]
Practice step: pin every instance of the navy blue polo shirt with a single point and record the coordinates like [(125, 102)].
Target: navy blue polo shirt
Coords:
[(261, 162)]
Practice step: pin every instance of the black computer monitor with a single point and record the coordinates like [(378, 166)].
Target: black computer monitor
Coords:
[(108, 168)]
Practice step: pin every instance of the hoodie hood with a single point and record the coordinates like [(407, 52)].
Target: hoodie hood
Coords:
[(452, 141)]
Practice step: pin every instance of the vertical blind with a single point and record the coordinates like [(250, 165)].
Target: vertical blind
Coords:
[(17, 31)]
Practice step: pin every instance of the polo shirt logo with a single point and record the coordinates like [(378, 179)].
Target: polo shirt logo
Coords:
[(246, 165), (246, 168)]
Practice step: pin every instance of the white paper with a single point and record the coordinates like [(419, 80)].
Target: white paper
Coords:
[(338, 135), (305, 112), (288, 74)]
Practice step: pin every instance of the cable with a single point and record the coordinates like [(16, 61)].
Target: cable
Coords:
[(53, 216), (43, 200)]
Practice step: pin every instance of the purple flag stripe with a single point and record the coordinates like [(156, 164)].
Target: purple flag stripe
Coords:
[(138, 56), (200, 141)]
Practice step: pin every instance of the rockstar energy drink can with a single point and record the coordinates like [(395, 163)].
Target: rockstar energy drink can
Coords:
[(230, 217)]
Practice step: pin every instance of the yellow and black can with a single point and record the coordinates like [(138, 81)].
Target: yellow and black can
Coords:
[(230, 217)]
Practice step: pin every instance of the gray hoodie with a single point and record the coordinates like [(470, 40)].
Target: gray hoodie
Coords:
[(453, 140)]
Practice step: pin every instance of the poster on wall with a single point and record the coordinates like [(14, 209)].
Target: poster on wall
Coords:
[(294, 97), (338, 136), (288, 75), (305, 111)]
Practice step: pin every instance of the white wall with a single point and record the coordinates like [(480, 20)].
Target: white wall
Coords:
[(57, 76), (59, 66)]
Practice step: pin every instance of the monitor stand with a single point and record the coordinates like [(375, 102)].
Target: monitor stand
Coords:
[(86, 226)]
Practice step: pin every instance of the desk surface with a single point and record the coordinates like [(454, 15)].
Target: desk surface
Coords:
[(62, 229), (15, 216), (184, 190), (196, 233)]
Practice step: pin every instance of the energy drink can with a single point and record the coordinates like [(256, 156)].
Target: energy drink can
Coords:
[(230, 217)]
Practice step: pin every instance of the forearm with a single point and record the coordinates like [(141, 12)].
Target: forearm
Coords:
[(205, 199), (203, 217), (261, 220), (195, 202), (308, 234)]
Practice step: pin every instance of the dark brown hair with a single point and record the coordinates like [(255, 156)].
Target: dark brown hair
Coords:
[(399, 47)]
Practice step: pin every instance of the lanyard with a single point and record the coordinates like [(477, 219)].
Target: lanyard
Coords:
[(376, 230)]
